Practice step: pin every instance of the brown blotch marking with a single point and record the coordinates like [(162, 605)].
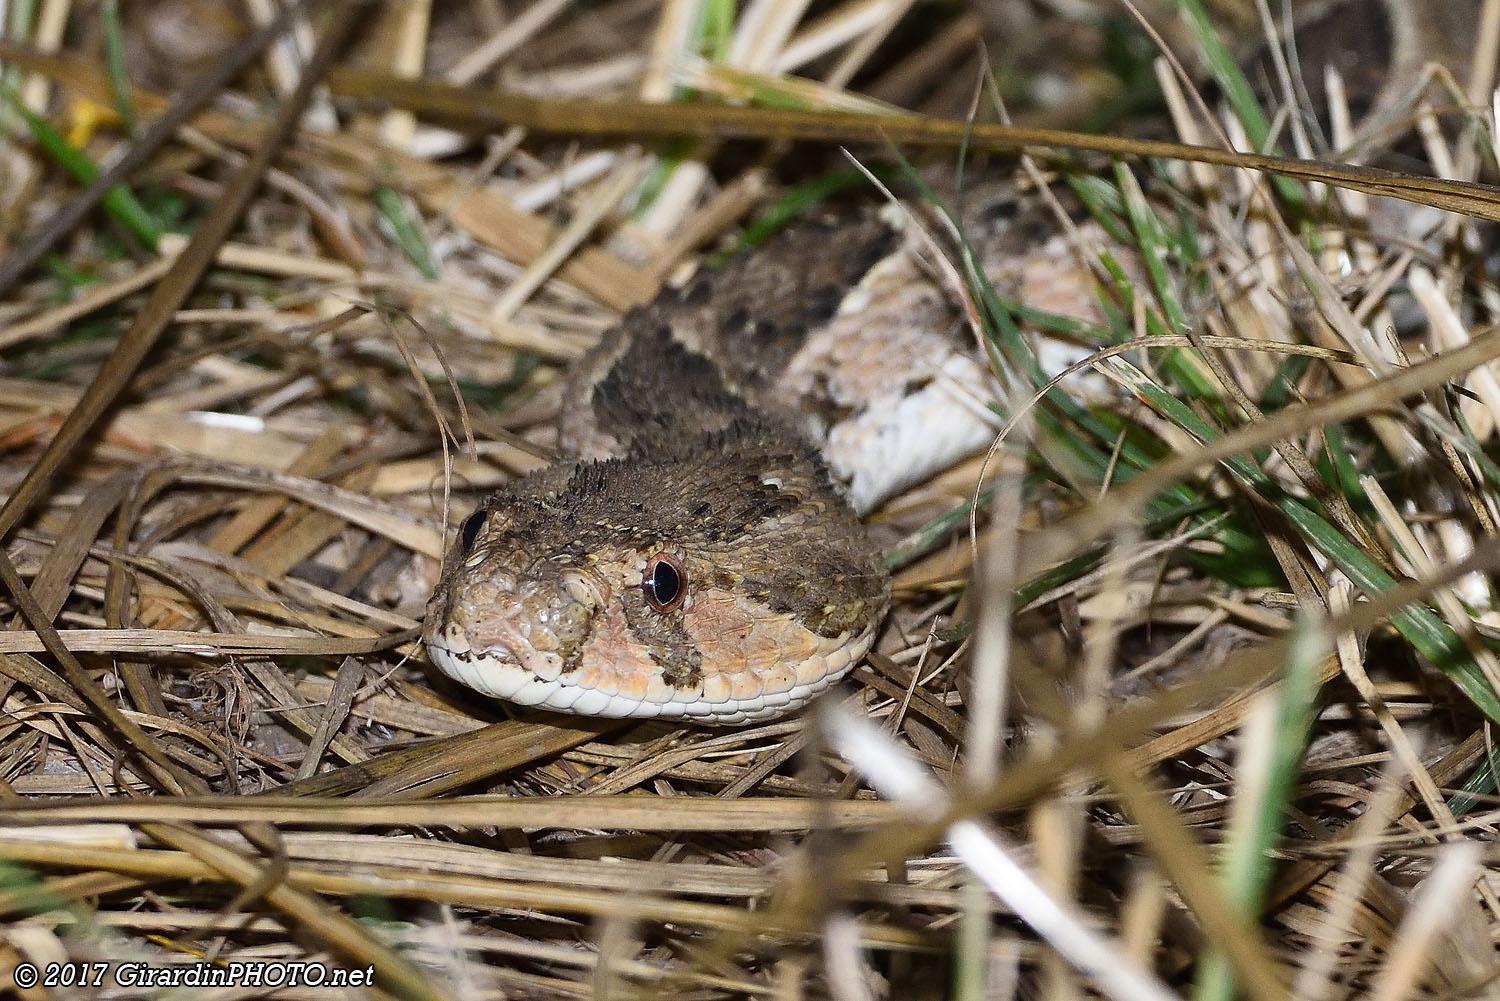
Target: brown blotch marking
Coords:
[(660, 388), (792, 284), (829, 596), (670, 645)]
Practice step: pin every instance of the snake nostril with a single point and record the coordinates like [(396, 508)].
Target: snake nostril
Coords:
[(585, 589)]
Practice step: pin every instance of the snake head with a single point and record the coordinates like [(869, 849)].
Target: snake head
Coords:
[(661, 585)]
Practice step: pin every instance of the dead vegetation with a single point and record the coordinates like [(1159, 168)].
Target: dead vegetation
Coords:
[(1199, 728)]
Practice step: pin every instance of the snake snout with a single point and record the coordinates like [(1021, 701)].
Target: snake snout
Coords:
[(537, 618)]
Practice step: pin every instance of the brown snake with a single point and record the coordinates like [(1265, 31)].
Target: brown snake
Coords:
[(703, 559)]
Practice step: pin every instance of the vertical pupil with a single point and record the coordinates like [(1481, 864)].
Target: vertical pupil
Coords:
[(469, 532), (664, 582)]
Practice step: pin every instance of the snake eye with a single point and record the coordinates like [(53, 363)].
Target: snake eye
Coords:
[(468, 533), (665, 583)]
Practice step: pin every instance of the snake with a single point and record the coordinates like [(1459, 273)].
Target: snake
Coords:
[(701, 554)]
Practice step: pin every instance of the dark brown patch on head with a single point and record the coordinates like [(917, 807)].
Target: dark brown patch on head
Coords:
[(669, 643), (830, 591)]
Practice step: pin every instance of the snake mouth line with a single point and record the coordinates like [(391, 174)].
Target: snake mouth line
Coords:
[(507, 679)]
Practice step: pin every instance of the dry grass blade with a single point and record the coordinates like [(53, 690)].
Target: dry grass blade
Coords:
[(603, 812), (191, 642), (173, 289), (20, 259), (486, 110), (1231, 396)]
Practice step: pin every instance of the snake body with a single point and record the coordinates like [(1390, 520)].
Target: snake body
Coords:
[(703, 557)]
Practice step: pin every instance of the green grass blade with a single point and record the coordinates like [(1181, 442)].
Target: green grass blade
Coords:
[(120, 201), (1270, 761), (1420, 625), (114, 61), (393, 209)]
